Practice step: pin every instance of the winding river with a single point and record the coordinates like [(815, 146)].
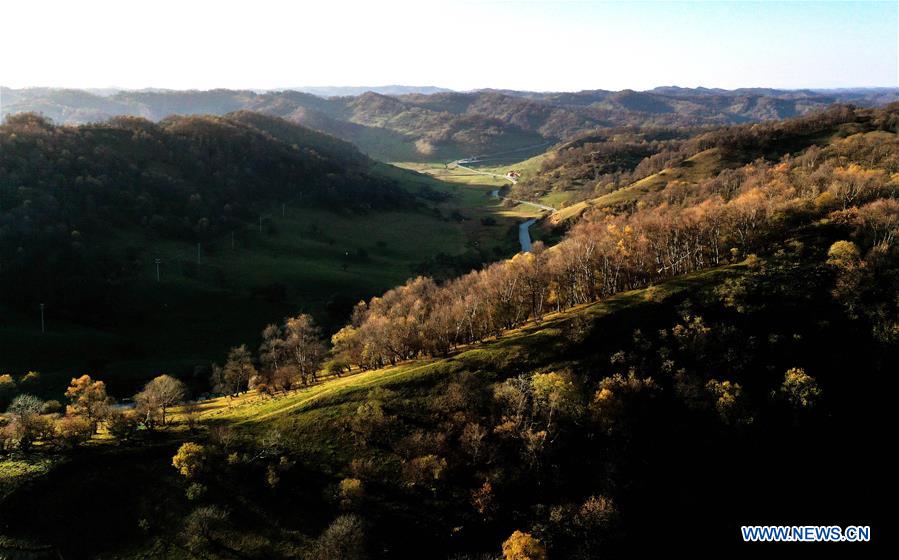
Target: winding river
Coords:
[(524, 234)]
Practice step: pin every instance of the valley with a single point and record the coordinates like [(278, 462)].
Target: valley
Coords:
[(403, 367), (455, 280)]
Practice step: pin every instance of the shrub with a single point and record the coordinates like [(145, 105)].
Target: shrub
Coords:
[(190, 459), (73, 430)]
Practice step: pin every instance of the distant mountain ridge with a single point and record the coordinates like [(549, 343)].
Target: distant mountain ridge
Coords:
[(428, 123)]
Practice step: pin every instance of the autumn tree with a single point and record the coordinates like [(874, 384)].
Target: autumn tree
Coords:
[(190, 459), (728, 401), (26, 423), (800, 389), (619, 398), (523, 546), (234, 377), (845, 258), (303, 344), (555, 394), (159, 395), (295, 346), (88, 398)]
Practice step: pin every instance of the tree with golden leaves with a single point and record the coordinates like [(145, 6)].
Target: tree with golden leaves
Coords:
[(88, 398), (523, 546), (190, 459)]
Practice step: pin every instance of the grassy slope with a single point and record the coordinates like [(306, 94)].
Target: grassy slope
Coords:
[(195, 313), (703, 165)]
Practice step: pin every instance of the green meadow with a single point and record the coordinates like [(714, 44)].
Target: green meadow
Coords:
[(306, 259)]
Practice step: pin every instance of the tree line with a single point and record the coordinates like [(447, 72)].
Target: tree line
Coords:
[(31, 421)]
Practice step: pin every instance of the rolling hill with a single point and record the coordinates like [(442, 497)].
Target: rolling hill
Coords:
[(442, 125)]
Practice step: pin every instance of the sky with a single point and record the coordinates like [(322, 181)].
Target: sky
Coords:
[(536, 45)]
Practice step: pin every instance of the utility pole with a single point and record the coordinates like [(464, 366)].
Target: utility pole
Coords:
[(198, 253), (43, 329), (232, 240), (260, 224), (157, 268), (282, 209)]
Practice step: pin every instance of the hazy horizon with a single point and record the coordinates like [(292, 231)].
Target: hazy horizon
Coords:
[(113, 89)]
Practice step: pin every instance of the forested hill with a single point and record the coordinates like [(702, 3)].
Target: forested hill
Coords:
[(621, 165), (448, 125), (185, 176), (66, 190)]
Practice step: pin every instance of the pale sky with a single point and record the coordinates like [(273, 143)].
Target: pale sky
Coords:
[(533, 45)]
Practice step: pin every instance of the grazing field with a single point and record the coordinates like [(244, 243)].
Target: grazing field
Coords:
[(476, 188)]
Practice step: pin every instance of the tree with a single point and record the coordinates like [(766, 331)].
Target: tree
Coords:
[(522, 546), (160, 394), (621, 398), (271, 351), (728, 400), (843, 254), (483, 500), (302, 342), (27, 425), (88, 398), (235, 377), (845, 257), (190, 459), (800, 389), (25, 405), (554, 394), (295, 345), (344, 539)]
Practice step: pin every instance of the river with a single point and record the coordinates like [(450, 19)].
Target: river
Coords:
[(524, 234)]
